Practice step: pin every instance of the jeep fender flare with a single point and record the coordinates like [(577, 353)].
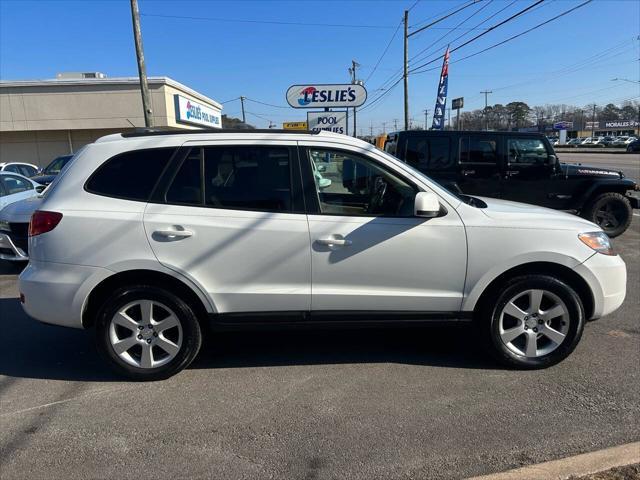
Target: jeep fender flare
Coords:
[(601, 186)]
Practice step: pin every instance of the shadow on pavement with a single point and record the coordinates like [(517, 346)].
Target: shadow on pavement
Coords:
[(35, 350)]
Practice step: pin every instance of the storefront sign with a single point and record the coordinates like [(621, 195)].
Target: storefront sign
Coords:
[(326, 96), (194, 113), (330, 121), (294, 125), (621, 124)]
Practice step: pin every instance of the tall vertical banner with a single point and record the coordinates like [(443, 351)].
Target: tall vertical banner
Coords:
[(441, 100)]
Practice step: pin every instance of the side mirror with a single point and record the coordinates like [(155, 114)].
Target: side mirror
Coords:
[(426, 205), (40, 188)]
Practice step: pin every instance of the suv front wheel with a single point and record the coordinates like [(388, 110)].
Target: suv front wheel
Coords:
[(535, 322), (147, 333), (611, 211)]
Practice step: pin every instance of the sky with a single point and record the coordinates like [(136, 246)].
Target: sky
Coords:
[(223, 50)]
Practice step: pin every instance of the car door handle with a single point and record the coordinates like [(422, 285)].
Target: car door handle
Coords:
[(333, 241), (174, 233)]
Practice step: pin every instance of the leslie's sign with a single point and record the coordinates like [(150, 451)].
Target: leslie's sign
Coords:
[(329, 96)]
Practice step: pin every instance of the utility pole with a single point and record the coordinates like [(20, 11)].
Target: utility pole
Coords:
[(384, 127), (371, 128), (142, 69), (486, 104), (406, 69), (242, 103), (352, 71), (395, 123), (593, 120), (426, 118)]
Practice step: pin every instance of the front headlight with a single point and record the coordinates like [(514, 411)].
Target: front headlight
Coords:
[(598, 241), (5, 226)]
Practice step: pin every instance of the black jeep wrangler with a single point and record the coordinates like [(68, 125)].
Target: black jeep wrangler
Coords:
[(518, 166)]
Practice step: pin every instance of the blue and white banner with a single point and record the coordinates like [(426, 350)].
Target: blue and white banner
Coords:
[(441, 101)]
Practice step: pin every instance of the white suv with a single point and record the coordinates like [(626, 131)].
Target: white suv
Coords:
[(151, 237)]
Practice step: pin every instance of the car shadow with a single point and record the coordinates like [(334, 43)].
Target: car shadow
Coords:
[(35, 350)]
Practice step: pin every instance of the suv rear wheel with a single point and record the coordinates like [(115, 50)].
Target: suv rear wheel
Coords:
[(147, 333), (535, 322), (611, 211)]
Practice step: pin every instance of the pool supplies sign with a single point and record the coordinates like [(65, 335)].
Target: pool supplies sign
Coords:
[(330, 121), (326, 95), (194, 113)]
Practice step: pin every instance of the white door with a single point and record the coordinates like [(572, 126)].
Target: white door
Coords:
[(227, 223), (369, 253)]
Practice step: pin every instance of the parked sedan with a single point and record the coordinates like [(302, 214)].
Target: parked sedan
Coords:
[(14, 187), (574, 142), (26, 169)]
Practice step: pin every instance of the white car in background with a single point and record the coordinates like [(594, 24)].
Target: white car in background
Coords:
[(21, 168), (14, 229), (15, 187)]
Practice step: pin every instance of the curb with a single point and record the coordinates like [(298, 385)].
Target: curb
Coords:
[(579, 465)]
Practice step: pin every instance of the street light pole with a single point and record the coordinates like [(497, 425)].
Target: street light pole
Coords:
[(142, 69), (242, 103)]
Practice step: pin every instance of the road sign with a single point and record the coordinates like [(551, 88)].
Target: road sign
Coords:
[(326, 96), (457, 103), (294, 125), (330, 121)]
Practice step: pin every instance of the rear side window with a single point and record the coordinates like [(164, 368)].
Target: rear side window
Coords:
[(241, 178), (428, 153), (479, 149), (130, 175)]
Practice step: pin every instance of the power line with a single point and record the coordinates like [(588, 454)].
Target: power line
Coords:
[(467, 33), (415, 70), (269, 22), (385, 50), (482, 7), (472, 2), (265, 103), (443, 12)]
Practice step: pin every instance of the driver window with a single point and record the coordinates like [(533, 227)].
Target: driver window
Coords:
[(349, 184), (527, 150)]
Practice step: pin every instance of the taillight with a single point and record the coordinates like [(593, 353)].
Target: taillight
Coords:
[(43, 222)]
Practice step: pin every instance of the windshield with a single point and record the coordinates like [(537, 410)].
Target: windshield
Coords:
[(58, 164)]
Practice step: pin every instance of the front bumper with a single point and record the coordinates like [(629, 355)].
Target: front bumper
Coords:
[(634, 201), (9, 250), (607, 278)]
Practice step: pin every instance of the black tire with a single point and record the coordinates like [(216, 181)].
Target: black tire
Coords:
[(191, 332), (489, 320), (611, 211)]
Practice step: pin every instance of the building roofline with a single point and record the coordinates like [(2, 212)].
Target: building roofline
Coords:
[(110, 81)]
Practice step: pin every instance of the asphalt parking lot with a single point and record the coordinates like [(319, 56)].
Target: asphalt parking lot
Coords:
[(407, 403)]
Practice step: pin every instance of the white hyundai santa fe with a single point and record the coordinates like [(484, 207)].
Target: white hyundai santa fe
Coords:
[(150, 237)]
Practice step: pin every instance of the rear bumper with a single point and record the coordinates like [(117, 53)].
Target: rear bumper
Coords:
[(607, 278), (56, 293), (10, 251)]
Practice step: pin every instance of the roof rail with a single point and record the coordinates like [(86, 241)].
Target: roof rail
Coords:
[(144, 132)]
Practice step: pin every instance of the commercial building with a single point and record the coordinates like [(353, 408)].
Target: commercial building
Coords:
[(42, 119)]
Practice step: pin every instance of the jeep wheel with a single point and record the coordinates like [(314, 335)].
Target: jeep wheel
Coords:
[(147, 333), (535, 322), (611, 211)]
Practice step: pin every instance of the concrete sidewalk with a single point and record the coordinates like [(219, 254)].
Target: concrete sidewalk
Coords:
[(576, 466)]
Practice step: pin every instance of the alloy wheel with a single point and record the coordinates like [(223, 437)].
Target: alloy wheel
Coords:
[(145, 334), (534, 323)]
